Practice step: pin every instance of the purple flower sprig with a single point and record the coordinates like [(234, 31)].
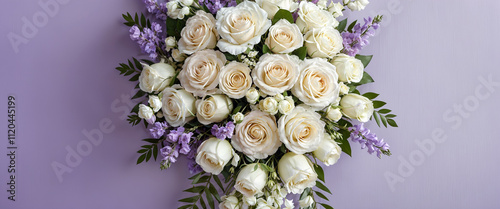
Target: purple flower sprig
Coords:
[(158, 129), (157, 9), (215, 5), (223, 132), (369, 140), (355, 40), (149, 39)]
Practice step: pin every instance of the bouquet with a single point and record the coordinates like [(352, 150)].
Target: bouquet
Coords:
[(258, 95)]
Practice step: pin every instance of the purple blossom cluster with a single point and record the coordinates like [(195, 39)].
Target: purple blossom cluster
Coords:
[(157, 9), (158, 129), (368, 140), (177, 142), (216, 5), (148, 38), (357, 39), (223, 132)]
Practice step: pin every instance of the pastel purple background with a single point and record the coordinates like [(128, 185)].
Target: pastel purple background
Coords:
[(428, 57)]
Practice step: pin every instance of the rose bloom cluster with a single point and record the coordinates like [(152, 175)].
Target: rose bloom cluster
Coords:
[(236, 73)]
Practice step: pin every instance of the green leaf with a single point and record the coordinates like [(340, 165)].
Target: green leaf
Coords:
[(214, 192), (197, 189), (366, 79), (210, 199), (151, 140), (230, 57), (320, 172), (370, 95), (196, 176), (203, 179), (283, 14), (301, 52), (378, 104), (390, 116), (219, 183), (305, 193), (135, 77), (190, 199), (202, 203), (344, 143), (141, 158), (172, 82), (351, 26), (377, 118), (142, 151), (392, 123), (139, 93), (384, 120), (265, 49), (321, 195), (365, 59), (322, 187), (155, 151), (143, 21), (148, 156), (342, 25), (326, 206), (384, 111)]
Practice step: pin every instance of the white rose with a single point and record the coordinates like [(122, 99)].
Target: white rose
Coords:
[(272, 6), (284, 37), (285, 107), (311, 16), (344, 89), (252, 95), (357, 107), (241, 27), (174, 11), (279, 97), (251, 181), (328, 152), (349, 68), (306, 202), (269, 105), (257, 135), (276, 73), (301, 130), (323, 42), (155, 103), (213, 155), (146, 113), (333, 114), (186, 2), (336, 9), (250, 200), (296, 172), (235, 80), (263, 204), (178, 56), (213, 109), (199, 33), (170, 43), (178, 106), (229, 202), (238, 117), (288, 204), (317, 85), (199, 74), (357, 5), (156, 77)]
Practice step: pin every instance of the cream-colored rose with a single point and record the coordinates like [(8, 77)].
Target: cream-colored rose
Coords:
[(250, 200), (178, 56), (213, 109), (251, 181), (285, 107), (328, 152), (311, 16), (241, 27), (317, 85), (297, 173), (301, 130), (269, 105), (156, 77), (213, 154), (146, 113), (229, 202), (357, 5), (235, 80), (276, 73), (357, 107), (199, 33), (200, 72), (238, 117), (284, 37), (306, 202), (170, 43), (336, 9), (323, 42), (272, 6), (257, 135), (349, 68), (155, 103), (344, 89), (178, 106), (252, 95), (176, 10), (333, 114)]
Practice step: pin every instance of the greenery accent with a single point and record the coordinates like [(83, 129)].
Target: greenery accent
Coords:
[(204, 191), (148, 151)]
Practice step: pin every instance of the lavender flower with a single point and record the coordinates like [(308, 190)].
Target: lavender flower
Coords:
[(148, 39), (158, 130), (158, 9), (368, 140), (223, 132), (216, 5), (173, 136), (184, 140), (192, 165), (169, 154), (357, 39)]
